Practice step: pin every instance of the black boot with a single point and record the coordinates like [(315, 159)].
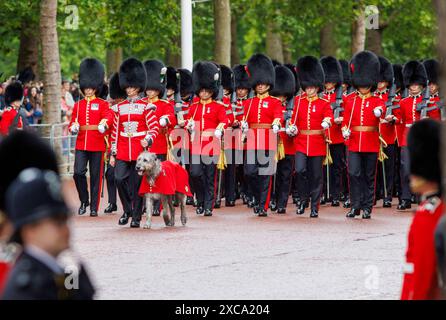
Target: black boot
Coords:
[(347, 203), (353, 213), (230, 203), (413, 199), (335, 203), (403, 205), (314, 213), (251, 203), (156, 212), (124, 219), (111, 208), (217, 204), (200, 210), (256, 209), (387, 204), (190, 201), (135, 223), (83, 208), (281, 210), (263, 213), (366, 214), (323, 199), (208, 213), (301, 207), (273, 205), (93, 213)]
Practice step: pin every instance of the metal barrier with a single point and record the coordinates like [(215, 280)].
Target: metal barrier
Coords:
[(62, 141)]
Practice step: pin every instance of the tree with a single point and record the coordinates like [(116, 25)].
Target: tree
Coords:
[(222, 27), (358, 30)]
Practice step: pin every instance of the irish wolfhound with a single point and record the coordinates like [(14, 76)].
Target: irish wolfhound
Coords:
[(160, 184)]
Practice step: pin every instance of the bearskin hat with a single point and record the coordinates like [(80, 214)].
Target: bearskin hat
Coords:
[(432, 70), (285, 84), (346, 75), (186, 86), (310, 72), (292, 67), (13, 92), (260, 70), (171, 76), (26, 75), (241, 77), (424, 149), (103, 94), (332, 70), (385, 70), (132, 74), (91, 75), (156, 75), (227, 78), (205, 75), (21, 150), (414, 72), (398, 75), (365, 70), (115, 90)]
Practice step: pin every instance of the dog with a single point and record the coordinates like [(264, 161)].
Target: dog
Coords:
[(161, 183)]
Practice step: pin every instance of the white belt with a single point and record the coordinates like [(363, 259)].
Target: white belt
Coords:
[(132, 134)]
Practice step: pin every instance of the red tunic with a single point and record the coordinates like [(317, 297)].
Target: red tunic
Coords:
[(207, 116), (408, 114), (4, 270), (132, 121), (334, 133), (359, 115), (308, 115), (163, 109), (180, 139), (7, 119), (420, 278), (260, 112), (435, 114), (387, 130), (90, 113), (288, 142), (172, 178)]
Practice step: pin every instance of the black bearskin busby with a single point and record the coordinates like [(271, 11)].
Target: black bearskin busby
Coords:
[(414, 73), (292, 67), (91, 75), (346, 75), (332, 70), (186, 85), (156, 75), (227, 78), (205, 75), (132, 74), (21, 150), (13, 92), (115, 90), (398, 75), (310, 72), (241, 77), (424, 149), (26, 75), (285, 85), (171, 76), (385, 70), (260, 70), (432, 70), (103, 94), (365, 70)]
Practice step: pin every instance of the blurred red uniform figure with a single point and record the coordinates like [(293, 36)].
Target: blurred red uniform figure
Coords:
[(433, 70), (12, 117)]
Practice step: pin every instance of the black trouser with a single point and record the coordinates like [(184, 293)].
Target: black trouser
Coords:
[(246, 184), (396, 176), (405, 175), (345, 181), (111, 186), (233, 157), (259, 167), (202, 172), (336, 170), (389, 170), (310, 177), (128, 182), (362, 172), (94, 161), (283, 181)]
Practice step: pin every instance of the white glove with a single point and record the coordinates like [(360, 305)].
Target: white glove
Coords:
[(346, 133), (190, 125), (377, 112), (101, 128), (291, 130), (163, 122), (325, 125), (75, 128), (276, 128), (244, 126), (218, 133)]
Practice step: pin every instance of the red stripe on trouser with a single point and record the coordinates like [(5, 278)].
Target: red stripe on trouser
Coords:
[(100, 181), (268, 196)]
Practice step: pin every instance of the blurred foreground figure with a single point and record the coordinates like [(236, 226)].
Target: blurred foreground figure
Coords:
[(420, 279)]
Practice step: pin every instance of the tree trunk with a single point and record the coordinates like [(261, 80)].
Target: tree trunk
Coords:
[(235, 55), (358, 31), (222, 26), (327, 40), (51, 67), (173, 58), (29, 46), (113, 60), (374, 41), (274, 46)]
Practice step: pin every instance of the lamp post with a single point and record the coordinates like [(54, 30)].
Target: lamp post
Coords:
[(187, 53)]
